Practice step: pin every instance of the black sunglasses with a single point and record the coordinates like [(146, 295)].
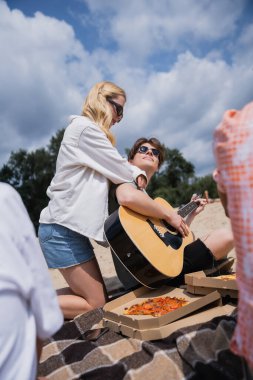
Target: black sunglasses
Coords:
[(143, 149), (118, 107)]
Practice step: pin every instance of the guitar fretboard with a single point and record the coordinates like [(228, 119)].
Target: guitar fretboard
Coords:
[(188, 208)]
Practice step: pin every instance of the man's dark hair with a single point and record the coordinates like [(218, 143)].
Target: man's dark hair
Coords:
[(152, 141)]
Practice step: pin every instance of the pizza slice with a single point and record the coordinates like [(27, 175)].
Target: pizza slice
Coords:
[(227, 277), (156, 306)]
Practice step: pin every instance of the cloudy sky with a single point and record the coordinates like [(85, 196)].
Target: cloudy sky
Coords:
[(182, 63)]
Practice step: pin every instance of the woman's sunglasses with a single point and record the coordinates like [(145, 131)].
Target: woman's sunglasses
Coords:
[(118, 107), (143, 149)]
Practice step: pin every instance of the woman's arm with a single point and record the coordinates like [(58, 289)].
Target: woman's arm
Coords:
[(96, 152)]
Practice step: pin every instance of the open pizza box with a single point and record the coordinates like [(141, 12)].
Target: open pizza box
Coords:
[(164, 331), (114, 310), (200, 283)]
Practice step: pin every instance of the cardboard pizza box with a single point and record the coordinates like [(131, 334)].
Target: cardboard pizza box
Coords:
[(114, 310), (200, 283), (222, 267), (165, 331), (204, 290)]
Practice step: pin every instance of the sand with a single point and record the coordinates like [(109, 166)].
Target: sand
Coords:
[(211, 218)]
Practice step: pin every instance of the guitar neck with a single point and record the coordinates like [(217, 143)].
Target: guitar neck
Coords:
[(187, 209)]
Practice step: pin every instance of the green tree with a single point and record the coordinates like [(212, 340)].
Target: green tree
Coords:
[(30, 174), (174, 180), (177, 170), (54, 146), (205, 183)]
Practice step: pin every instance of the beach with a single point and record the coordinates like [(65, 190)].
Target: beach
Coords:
[(211, 218)]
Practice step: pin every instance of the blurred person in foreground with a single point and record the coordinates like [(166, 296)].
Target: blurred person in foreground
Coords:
[(29, 309), (233, 149)]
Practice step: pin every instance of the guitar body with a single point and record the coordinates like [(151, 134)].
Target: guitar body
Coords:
[(149, 248)]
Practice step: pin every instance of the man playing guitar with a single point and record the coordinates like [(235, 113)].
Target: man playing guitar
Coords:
[(204, 254)]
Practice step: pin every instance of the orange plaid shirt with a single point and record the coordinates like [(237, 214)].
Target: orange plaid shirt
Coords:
[(233, 149)]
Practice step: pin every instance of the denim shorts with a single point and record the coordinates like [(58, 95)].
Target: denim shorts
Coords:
[(63, 247)]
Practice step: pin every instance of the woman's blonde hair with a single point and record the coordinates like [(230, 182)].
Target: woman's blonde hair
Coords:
[(98, 109)]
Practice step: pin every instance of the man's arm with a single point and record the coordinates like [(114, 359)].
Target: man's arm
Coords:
[(141, 202)]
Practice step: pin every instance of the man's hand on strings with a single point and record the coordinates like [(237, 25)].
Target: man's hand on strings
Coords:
[(201, 202), (176, 221)]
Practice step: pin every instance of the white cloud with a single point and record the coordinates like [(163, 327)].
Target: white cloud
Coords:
[(183, 106), (243, 52), (45, 72), (144, 27)]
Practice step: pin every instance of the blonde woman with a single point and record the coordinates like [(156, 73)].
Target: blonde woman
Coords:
[(78, 194)]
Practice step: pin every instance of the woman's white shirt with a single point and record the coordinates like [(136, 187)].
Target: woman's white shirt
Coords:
[(79, 190), (29, 306)]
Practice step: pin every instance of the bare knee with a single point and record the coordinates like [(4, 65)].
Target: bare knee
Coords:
[(226, 235), (85, 281), (220, 242), (97, 301)]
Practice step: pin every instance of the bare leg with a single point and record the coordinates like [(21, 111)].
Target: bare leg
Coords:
[(87, 290), (220, 242)]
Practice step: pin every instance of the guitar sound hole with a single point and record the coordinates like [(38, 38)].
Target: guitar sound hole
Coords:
[(168, 226), (169, 238)]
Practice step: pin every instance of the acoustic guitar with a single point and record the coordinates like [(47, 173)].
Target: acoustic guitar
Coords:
[(149, 248)]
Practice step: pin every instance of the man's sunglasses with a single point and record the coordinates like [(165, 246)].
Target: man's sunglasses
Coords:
[(143, 149), (118, 107)]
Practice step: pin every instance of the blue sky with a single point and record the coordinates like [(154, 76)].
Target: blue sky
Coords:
[(182, 64)]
